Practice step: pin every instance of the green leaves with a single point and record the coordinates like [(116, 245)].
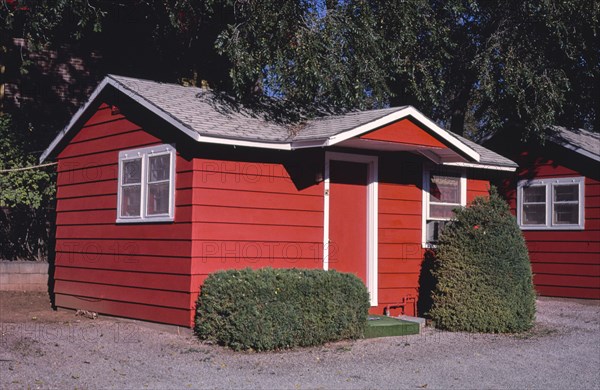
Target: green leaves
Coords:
[(32, 188), (484, 280), (269, 309)]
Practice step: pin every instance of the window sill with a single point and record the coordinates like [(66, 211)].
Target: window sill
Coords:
[(551, 228), (145, 220)]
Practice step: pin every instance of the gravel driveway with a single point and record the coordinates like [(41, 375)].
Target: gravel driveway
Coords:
[(43, 349)]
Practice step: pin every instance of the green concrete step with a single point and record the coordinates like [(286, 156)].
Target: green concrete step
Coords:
[(382, 326)]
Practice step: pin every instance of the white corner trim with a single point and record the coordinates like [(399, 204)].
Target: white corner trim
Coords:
[(400, 114), (372, 215)]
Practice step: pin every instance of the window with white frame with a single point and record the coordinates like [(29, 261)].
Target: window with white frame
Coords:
[(146, 184), (551, 204), (443, 191)]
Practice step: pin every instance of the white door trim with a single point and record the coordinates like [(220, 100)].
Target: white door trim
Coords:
[(372, 214)]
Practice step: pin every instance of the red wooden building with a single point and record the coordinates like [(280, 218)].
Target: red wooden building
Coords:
[(555, 195), (160, 185)]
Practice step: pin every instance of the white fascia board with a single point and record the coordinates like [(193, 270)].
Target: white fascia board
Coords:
[(400, 114), (481, 166), (237, 142)]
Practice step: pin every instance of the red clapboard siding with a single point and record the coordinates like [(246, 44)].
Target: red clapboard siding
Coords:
[(399, 236), (126, 294), (566, 280), (258, 216), (121, 141), (231, 261), (566, 269), (166, 315), (400, 222), (406, 220), (400, 265), (252, 182), (134, 270), (567, 259), (126, 247), (253, 232), (256, 199), (406, 132), (156, 281), (124, 262), (412, 250), (104, 129), (398, 280), (252, 214), (571, 292), (477, 187)]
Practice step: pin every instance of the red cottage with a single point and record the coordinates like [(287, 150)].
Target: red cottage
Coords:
[(555, 195), (160, 185)]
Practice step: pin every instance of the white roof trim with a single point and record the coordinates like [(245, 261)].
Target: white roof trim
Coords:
[(400, 114), (481, 166), (333, 140)]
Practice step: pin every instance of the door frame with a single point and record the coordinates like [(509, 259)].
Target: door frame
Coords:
[(372, 214)]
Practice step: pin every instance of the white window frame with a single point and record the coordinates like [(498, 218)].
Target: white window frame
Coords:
[(549, 184), (145, 154), (462, 173)]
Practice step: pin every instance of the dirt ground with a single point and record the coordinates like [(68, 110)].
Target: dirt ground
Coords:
[(42, 348)]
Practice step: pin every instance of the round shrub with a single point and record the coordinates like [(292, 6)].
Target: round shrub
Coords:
[(484, 280), (269, 309)]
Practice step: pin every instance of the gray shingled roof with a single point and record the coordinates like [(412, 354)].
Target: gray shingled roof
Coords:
[(488, 157), (580, 140), (202, 113), (335, 124)]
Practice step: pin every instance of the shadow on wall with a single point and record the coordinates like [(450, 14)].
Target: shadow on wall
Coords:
[(427, 283)]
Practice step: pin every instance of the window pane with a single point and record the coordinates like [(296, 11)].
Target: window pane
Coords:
[(444, 189), (132, 171), (566, 214), (158, 198), (159, 168), (534, 194), (565, 193), (130, 201), (534, 214), (441, 211)]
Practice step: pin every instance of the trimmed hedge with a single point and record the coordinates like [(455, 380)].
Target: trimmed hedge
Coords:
[(484, 280), (268, 309)]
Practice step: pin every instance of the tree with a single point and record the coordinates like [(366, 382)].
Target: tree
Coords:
[(472, 65), (26, 197)]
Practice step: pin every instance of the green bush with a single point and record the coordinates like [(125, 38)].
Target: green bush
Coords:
[(269, 309), (484, 280)]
